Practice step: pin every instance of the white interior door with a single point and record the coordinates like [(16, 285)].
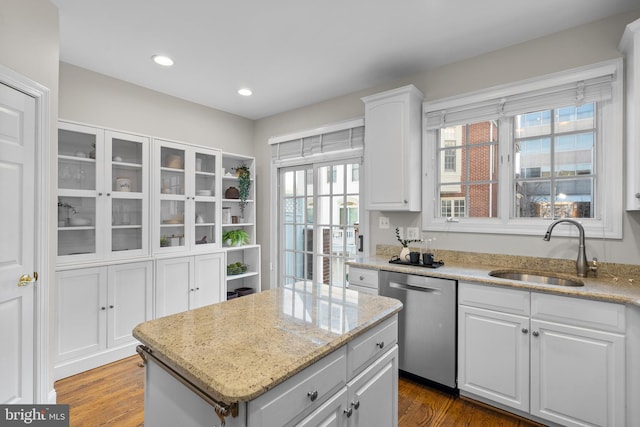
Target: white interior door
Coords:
[(17, 192)]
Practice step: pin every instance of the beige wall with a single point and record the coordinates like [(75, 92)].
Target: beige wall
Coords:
[(29, 46), (92, 98), (576, 47)]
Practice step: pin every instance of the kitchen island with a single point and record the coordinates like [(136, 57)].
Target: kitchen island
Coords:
[(294, 355)]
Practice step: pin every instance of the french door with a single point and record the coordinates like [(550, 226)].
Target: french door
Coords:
[(319, 219)]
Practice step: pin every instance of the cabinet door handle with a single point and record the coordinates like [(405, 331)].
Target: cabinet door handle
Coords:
[(361, 277), (355, 404), (110, 306), (103, 308), (525, 331), (313, 395), (348, 411), (380, 344), (535, 333)]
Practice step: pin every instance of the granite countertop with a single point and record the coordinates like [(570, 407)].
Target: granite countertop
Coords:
[(236, 350), (605, 287)]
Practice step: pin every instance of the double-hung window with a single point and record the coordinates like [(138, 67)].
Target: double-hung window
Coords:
[(510, 159)]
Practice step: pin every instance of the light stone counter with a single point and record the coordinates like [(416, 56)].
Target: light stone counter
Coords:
[(620, 287), (236, 350)]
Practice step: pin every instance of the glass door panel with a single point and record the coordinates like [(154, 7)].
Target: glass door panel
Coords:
[(205, 221), (76, 225), (172, 223), (319, 218), (126, 224)]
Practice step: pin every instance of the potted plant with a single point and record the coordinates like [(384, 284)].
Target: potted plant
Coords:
[(244, 183), (63, 212), (164, 241), (235, 237), (405, 245)]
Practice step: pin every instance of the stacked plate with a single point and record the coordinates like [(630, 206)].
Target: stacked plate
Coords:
[(203, 193)]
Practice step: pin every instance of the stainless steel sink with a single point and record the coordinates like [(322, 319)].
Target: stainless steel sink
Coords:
[(537, 277)]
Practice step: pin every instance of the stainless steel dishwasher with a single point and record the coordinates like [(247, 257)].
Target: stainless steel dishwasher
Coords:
[(427, 324)]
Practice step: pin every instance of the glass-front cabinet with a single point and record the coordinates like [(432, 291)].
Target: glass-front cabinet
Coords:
[(187, 197), (102, 194)]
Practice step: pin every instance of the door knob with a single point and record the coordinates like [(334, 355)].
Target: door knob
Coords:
[(25, 279)]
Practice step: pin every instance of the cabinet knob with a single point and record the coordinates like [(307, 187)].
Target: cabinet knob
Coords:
[(99, 194), (535, 333), (108, 194), (313, 395), (103, 308), (637, 195), (348, 411), (361, 277), (110, 306), (355, 404), (525, 331), (380, 344)]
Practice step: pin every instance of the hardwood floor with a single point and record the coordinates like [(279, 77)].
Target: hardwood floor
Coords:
[(112, 395)]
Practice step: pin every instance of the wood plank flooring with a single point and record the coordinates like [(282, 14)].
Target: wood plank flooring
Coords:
[(113, 395)]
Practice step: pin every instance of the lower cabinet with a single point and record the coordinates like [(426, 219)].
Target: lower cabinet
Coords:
[(355, 386), (97, 309), (185, 283), (553, 358)]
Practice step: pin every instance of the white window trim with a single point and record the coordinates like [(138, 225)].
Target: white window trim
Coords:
[(609, 184)]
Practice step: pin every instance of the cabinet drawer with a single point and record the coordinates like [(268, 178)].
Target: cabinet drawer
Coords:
[(494, 298), (371, 345), (300, 394), (363, 277), (601, 315)]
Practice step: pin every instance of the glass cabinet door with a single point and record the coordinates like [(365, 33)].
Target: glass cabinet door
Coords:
[(205, 220), (127, 189), (79, 171), (172, 196)]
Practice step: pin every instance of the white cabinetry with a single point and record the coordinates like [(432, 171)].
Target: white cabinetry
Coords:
[(103, 194), (363, 280), (186, 202), (355, 386), (556, 358), (189, 282), (630, 46), (392, 151), (239, 215), (97, 309)]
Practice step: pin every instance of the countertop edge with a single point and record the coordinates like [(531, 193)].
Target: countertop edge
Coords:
[(596, 289)]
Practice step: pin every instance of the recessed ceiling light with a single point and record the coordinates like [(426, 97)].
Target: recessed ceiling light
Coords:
[(162, 60), (245, 92)]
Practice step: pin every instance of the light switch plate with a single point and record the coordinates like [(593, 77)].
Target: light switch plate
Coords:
[(413, 233), (384, 222)]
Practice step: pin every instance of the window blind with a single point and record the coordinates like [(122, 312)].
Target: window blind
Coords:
[(323, 143), (594, 89)]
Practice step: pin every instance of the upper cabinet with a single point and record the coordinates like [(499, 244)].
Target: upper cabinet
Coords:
[(103, 194), (630, 46), (186, 202), (392, 150)]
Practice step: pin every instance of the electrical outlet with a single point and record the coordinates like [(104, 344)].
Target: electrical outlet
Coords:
[(384, 222), (413, 233)]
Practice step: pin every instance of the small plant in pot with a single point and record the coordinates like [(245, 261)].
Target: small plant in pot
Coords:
[(235, 237), (405, 245), (244, 182)]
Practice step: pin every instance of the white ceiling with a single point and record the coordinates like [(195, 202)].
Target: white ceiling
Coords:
[(293, 53)]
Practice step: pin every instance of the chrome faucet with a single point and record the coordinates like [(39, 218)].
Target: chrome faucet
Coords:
[(582, 266)]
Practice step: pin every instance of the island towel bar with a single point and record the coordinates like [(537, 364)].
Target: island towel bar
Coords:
[(222, 409)]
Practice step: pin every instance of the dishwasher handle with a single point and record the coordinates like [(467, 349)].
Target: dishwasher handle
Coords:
[(410, 287)]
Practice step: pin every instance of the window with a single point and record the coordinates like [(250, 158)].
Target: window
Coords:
[(318, 205), (509, 159)]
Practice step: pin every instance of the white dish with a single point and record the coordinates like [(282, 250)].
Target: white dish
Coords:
[(203, 192)]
